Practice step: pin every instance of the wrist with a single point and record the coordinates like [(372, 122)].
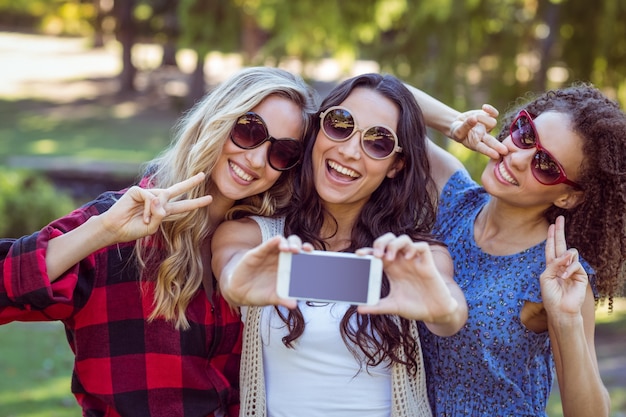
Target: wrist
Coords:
[(103, 233)]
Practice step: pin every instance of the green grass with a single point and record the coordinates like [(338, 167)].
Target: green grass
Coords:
[(35, 367), (88, 131)]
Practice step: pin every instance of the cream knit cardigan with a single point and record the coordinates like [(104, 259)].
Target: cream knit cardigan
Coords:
[(409, 395)]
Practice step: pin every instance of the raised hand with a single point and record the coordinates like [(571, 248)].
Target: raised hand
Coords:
[(564, 281), (252, 279), (472, 128), (418, 289), (139, 212)]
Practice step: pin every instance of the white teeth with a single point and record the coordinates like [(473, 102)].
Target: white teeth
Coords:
[(343, 170), (240, 172), (505, 174)]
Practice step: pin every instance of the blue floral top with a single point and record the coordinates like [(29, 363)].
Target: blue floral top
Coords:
[(493, 366)]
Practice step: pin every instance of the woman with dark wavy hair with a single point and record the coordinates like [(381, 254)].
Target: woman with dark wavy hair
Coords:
[(558, 170), (364, 182)]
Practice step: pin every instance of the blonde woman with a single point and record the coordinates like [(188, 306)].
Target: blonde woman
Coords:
[(129, 273)]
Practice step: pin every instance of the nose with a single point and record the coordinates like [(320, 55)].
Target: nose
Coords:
[(257, 157), (351, 148), (519, 158)]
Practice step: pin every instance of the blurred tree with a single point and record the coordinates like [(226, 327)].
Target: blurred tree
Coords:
[(207, 26), (100, 12), (164, 29), (126, 32), (464, 52)]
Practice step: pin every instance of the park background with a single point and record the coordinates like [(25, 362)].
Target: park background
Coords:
[(90, 89)]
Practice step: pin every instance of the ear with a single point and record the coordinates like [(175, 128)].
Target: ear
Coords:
[(569, 200), (396, 167)]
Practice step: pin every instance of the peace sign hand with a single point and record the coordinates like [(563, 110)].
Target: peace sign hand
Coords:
[(564, 281), (140, 212), (471, 128)]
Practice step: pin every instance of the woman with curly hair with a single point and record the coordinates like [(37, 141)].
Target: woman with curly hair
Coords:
[(129, 274), (558, 171), (364, 182)]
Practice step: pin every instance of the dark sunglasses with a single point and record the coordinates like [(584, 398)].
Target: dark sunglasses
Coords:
[(250, 131), (378, 142), (544, 167)]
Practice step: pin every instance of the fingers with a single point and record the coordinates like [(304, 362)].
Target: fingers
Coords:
[(550, 246), (556, 245), (559, 236), (184, 186), (292, 244), (164, 207), (460, 128), (390, 246), (573, 265), (472, 129), (490, 110)]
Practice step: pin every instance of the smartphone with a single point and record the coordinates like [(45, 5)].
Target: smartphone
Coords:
[(329, 277)]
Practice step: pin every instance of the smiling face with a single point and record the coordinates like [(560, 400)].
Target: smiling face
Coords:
[(513, 174), (241, 173), (343, 173)]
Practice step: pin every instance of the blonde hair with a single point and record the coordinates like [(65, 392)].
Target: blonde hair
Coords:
[(199, 138)]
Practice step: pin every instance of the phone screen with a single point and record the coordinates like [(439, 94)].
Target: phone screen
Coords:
[(333, 278)]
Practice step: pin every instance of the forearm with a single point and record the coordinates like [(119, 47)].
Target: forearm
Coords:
[(581, 388), (450, 323), (437, 115), (225, 281), (67, 250)]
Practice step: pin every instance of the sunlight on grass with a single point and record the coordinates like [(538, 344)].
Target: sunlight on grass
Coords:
[(44, 147), (124, 110), (53, 389)]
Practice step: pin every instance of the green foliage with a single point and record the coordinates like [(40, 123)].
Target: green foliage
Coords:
[(28, 202), (67, 17), (210, 25), (464, 52)]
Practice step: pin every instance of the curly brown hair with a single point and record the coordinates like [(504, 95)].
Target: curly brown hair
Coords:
[(401, 205), (597, 226)]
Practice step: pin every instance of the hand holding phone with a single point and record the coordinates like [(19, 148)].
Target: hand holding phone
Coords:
[(329, 277)]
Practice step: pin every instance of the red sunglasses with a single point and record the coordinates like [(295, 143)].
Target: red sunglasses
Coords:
[(250, 131), (544, 167)]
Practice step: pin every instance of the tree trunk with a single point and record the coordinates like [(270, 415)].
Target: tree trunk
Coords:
[(197, 84), (551, 17), (98, 32), (126, 36), (171, 30)]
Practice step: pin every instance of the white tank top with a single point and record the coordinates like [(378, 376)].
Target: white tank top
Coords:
[(318, 377)]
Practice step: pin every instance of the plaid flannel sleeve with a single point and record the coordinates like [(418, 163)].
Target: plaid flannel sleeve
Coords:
[(26, 293)]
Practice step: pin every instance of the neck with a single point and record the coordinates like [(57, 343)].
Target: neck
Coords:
[(217, 209), (337, 232), (501, 229)]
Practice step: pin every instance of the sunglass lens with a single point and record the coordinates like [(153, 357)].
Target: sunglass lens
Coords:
[(378, 142), (285, 154), (249, 131), (338, 124), (546, 170), (523, 133)]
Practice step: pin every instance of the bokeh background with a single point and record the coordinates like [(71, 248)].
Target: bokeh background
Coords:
[(90, 89)]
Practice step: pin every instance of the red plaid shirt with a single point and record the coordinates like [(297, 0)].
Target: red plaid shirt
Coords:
[(124, 366)]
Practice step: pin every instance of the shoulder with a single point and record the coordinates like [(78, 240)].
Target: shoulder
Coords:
[(461, 191), (238, 229)]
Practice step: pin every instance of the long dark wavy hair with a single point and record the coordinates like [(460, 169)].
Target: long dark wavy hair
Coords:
[(597, 226), (401, 205)]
